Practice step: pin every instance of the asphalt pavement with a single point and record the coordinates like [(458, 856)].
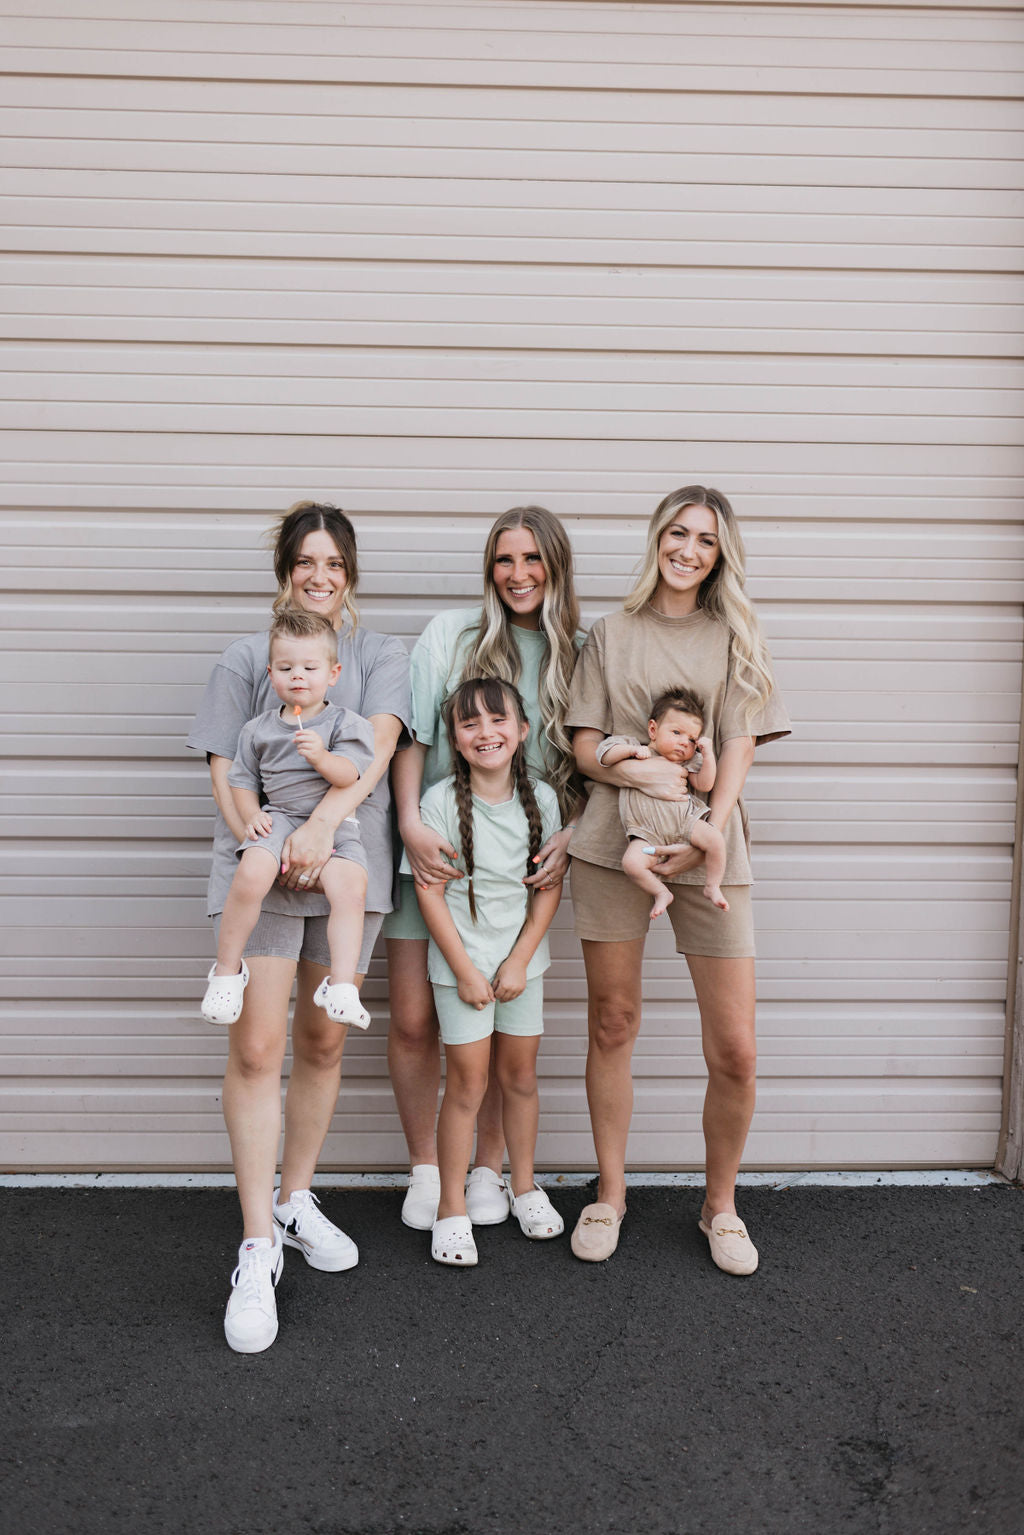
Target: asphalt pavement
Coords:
[(866, 1380)]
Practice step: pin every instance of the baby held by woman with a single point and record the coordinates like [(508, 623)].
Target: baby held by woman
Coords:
[(674, 731)]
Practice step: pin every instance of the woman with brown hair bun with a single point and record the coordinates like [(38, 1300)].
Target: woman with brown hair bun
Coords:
[(317, 571)]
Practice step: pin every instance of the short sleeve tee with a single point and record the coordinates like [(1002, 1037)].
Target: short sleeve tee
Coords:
[(501, 841), (628, 659), (374, 680), (436, 666), (266, 757)]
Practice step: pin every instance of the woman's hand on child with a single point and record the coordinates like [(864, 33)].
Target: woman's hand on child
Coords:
[(304, 854), (552, 862), (658, 778), (428, 852), (475, 989), (260, 826), (676, 858), (510, 981)]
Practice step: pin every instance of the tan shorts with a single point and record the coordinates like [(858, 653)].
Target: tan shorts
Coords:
[(609, 908)]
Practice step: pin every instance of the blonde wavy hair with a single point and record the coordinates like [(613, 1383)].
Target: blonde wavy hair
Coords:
[(722, 594), (493, 651), (287, 537)]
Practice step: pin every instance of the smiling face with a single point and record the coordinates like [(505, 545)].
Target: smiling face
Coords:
[(319, 577), (301, 670), (688, 552), (519, 577), (488, 738), (675, 735)]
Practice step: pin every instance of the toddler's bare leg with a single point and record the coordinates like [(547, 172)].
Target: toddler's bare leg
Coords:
[(254, 877), (344, 885), (640, 868), (712, 844)]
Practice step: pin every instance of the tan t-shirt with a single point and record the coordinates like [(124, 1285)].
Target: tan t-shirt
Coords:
[(628, 659)]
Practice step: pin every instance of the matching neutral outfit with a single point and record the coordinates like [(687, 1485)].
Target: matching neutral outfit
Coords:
[(436, 667), (501, 842), (660, 821), (628, 659), (374, 680), (267, 762)]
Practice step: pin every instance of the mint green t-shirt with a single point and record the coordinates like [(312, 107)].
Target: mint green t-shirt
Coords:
[(435, 672), (501, 841)]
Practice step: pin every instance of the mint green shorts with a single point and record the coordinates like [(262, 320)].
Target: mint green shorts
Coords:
[(406, 920), (463, 1025)]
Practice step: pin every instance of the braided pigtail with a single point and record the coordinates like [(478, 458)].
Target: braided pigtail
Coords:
[(528, 800), (489, 695), (464, 806)]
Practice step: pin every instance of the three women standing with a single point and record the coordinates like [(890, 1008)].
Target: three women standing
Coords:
[(688, 623)]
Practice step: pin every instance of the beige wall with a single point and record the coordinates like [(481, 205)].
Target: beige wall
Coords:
[(429, 261)]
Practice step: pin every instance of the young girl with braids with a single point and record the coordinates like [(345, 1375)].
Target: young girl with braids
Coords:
[(525, 632), (488, 951)]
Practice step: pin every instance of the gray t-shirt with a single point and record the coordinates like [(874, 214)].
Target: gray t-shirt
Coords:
[(266, 757), (374, 680)]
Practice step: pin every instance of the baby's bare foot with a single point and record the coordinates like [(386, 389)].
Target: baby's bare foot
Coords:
[(713, 894), (661, 904)]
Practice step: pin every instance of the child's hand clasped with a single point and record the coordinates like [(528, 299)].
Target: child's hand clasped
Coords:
[(510, 981), (475, 989)]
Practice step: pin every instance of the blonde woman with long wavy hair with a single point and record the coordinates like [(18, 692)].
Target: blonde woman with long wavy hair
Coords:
[(525, 632), (687, 623)]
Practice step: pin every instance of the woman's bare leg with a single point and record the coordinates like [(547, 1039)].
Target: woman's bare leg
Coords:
[(252, 1088), (726, 998), (414, 1047), (613, 1017), (317, 1045)]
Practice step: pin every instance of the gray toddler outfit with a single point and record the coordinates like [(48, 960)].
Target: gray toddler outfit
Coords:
[(266, 759)]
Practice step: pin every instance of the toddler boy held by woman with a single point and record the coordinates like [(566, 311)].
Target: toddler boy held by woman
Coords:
[(294, 754)]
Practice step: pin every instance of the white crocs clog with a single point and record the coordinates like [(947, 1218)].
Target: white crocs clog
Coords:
[(223, 1000), (341, 1003)]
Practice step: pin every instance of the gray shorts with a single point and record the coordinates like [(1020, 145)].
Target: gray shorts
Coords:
[(279, 937), (347, 842)]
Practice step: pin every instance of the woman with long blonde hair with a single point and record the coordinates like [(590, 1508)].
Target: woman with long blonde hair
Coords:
[(526, 632), (687, 623)]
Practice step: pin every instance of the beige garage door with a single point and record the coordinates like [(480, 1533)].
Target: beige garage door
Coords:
[(431, 261)]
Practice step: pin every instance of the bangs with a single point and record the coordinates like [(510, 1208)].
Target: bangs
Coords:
[(487, 695)]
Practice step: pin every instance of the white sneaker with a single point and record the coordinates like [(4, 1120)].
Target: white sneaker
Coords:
[(486, 1197), (250, 1322), (303, 1224), (419, 1207)]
